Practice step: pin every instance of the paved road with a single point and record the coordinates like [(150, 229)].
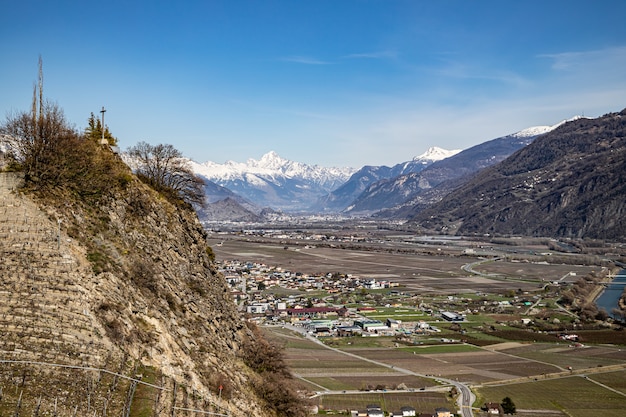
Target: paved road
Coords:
[(464, 401), (469, 268)]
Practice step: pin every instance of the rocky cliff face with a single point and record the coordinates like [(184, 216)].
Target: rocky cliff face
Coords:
[(115, 307)]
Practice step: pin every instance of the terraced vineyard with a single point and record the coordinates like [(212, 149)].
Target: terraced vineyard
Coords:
[(55, 358)]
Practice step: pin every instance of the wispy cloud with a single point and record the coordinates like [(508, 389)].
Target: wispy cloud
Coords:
[(373, 55), (471, 72), (570, 61), (306, 60)]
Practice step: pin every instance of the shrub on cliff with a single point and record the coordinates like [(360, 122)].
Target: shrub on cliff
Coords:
[(164, 169), (275, 382)]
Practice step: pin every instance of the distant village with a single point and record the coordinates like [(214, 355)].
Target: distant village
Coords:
[(318, 317), (295, 299), (315, 305)]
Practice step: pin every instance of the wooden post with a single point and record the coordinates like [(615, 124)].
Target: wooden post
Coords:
[(18, 405), (174, 399), (36, 412)]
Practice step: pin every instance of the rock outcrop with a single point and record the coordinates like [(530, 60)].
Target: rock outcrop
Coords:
[(115, 306)]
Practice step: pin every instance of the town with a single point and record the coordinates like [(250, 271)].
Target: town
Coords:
[(343, 305), (377, 320)]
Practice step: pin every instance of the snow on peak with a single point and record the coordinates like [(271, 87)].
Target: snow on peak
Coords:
[(270, 167), (533, 131), (540, 130), (435, 153), (270, 160)]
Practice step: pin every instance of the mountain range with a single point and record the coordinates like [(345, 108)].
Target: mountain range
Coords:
[(293, 187), (569, 182), (341, 198), (561, 180), (276, 183), (391, 198), (272, 181)]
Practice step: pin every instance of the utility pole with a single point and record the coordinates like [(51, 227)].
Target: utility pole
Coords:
[(103, 141)]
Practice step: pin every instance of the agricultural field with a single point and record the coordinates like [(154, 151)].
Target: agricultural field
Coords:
[(506, 345), (576, 396), (422, 402), (535, 270), (535, 375), (427, 267), (466, 366), (615, 380), (565, 357)]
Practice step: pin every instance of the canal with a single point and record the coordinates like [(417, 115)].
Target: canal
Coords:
[(608, 300)]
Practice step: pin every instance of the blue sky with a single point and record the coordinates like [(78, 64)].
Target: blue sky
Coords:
[(333, 83)]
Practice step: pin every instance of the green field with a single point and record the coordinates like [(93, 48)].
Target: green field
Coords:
[(386, 381), (615, 380), (449, 348), (563, 356), (576, 396), (422, 402), (405, 314)]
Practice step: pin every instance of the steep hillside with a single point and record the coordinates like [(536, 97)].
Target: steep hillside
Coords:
[(227, 210), (340, 198), (570, 182), (111, 306), (418, 188)]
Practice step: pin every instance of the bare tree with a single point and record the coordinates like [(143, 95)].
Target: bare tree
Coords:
[(164, 168), (53, 155), (38, 135)]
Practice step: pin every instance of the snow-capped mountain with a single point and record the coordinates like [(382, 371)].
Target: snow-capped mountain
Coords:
[(534, 131), (540, 130), (435, 153), (273, 181), (342, 197), (271, 166), (410, 188)]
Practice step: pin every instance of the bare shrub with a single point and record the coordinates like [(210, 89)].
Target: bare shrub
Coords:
[(143, 274), (164, 169), (275, 382)]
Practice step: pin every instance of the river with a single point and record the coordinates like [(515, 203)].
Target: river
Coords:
[(609, 298)]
